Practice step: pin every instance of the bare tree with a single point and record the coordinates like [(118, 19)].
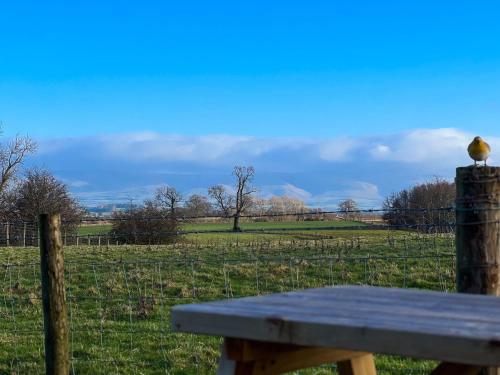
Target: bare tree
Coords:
[(348, 207), (41, 193), (244, 191), (197, 206), (169, 198), (12, 155), (223, 200), (235, 205), (424, 206), (286, 206)]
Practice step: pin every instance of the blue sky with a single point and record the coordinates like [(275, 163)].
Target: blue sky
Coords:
[(283, 72)]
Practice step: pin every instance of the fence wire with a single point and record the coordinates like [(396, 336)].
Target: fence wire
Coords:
[(120, 297)]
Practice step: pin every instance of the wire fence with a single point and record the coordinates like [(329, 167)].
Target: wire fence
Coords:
[(120, 297), (104, 231)]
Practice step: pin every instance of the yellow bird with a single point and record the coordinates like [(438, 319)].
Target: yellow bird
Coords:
[(479, 150)]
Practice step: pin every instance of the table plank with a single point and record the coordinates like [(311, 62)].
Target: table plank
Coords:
[(447, 327)]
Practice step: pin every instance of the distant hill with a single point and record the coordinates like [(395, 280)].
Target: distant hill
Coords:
[(107, 209)]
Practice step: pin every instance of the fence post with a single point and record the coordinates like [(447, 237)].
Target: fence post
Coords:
[(55, 315), (7, 234), (477, 232), (24, 234)]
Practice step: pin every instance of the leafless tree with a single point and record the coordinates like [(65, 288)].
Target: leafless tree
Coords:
[(286, 206), (348, 208), (223, 200), (12, 155), (235, 205), (423, 206), (41, 193), (197, 206), (169, 198)]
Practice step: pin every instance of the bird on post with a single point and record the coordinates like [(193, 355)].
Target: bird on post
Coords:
[(479, 150)]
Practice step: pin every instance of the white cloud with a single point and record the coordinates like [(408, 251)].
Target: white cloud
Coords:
[(429, 145), (416, 146), (202, 149), (380, 151), (338, 149), (319, 171)]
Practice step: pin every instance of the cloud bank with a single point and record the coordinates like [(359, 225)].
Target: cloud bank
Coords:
[(320, 171)]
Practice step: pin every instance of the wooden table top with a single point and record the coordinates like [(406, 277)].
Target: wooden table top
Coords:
[(460, 328)]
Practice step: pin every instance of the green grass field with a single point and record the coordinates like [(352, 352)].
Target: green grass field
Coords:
[(119, 297), (100, 229)]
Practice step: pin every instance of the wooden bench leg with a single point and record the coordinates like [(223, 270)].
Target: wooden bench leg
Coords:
[(246, 357), (364, 365)]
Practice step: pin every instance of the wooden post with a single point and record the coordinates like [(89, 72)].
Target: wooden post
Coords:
[(54, 296), (7, 234), (24, 234), (478, 232), (478, 228)]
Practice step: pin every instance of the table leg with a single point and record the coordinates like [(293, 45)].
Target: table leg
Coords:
[(228, 366), (364, 365), (246, 357)]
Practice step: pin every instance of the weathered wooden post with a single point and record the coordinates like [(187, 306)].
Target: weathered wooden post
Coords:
[(7, 234), (55, 315), (24, 234), (478, 232)]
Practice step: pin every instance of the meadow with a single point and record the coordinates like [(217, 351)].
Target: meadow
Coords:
[(119, 297)]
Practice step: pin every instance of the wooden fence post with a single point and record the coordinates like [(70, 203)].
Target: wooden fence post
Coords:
[(478, 232), (24, 234), (55, 315), (7, 234)]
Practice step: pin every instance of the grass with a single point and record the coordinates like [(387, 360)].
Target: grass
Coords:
[(119, 297), (101, 229), (94, 229)]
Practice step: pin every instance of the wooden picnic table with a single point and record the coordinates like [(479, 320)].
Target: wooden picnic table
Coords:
[(283, 332)]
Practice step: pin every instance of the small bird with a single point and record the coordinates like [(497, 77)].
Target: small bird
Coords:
[(479, 150)]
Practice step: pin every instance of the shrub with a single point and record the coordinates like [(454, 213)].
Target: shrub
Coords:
[(146, 225)]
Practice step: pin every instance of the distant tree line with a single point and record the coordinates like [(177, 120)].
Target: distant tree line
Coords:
[(422, 206), (23, 196), (157, 219)]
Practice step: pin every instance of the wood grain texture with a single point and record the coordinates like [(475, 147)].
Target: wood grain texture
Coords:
[(250, 350), (478, 233), (458, 328), (364, 365), (478, 228), (263, 358), (54, 296)]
